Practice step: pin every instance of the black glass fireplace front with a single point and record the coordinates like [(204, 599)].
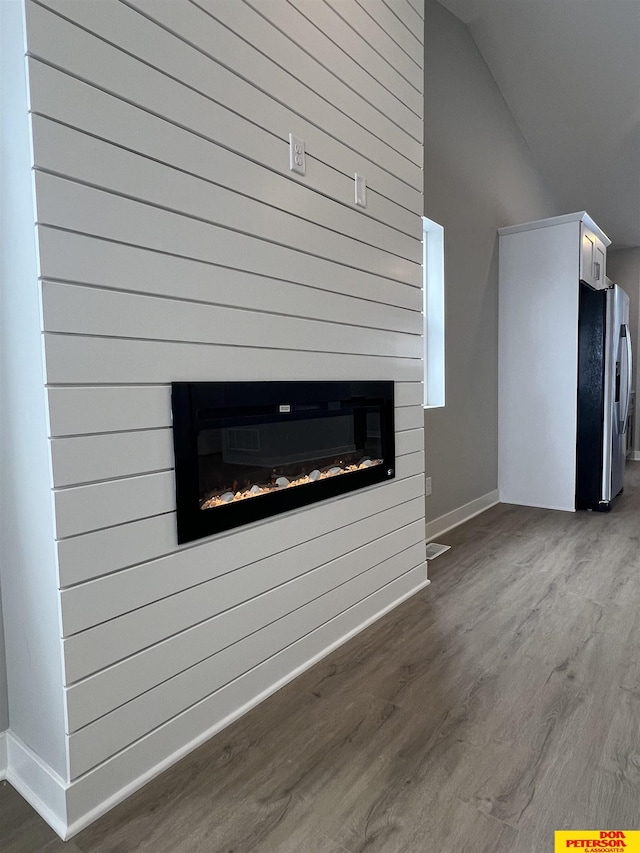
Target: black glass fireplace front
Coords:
[(249, 450)]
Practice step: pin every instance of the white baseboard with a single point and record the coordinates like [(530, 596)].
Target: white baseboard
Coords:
[(3, 756), (634, 456), (458, 516), (37, 783)]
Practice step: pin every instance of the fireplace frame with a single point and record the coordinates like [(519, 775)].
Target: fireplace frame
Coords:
[(196, 405)]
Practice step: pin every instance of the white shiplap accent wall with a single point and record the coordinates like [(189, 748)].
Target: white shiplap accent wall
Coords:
[(175, 245)]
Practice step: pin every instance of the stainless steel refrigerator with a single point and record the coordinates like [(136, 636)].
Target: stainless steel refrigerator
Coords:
[(604, 393)]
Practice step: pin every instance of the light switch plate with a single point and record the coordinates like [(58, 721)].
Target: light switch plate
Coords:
[(361, 190), (297, 159)]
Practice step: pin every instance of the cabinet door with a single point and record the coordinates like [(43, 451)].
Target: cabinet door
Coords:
[(599, 264), (593, 255)]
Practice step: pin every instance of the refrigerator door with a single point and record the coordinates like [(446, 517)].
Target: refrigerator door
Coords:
[(611, 383), (595, 399), (622, 383)]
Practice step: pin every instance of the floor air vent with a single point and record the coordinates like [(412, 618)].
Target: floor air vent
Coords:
[(434, 549)]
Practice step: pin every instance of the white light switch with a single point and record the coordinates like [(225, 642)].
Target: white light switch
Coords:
[(297, 162), (361, 190)]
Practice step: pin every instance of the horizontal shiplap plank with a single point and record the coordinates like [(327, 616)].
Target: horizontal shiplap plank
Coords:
[(356, 15), (186, 731), (83, 508), (114, 731), (132, 32), (80, 509), (107, 690), (89, 409), (410, 464), (239, 161), (85, 459), (249, 198), (409, 417), (304, 21), (94, 311), (75, 359), (223, 581), (353, 45), (385, 14), (408, 393), (412, 441), (90, 555), (348, 296), (89, 210), (302, 52)]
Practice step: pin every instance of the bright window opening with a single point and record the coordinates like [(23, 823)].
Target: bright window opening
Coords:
[(433, 312)]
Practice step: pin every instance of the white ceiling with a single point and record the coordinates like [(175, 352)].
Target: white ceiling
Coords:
[(569, 71)]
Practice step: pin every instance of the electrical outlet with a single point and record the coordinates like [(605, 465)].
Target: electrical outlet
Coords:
[(427, 486), (361, 190), (297, 160)]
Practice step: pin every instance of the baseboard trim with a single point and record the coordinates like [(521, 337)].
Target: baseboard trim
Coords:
[(88, 799), (3, 756), (452, 519), (634, 456), (40, 786)]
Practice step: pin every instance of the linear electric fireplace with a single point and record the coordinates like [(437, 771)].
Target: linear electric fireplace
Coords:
[(249, 450)]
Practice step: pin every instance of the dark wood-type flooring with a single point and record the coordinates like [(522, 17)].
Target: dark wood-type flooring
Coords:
[(498, 704)]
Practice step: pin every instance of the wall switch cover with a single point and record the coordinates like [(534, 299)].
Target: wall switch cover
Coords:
[(361, 190), (297, 160)]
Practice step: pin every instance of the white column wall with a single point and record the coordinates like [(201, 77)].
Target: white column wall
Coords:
[(176, 245), (4, 698), (28, 564)]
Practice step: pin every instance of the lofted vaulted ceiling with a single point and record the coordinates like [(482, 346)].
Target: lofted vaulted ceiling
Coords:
[(569, 71)]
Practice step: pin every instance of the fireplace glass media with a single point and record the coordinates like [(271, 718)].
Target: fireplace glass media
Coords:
[(249, 450)]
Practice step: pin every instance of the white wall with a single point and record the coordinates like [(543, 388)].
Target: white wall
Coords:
[(478, 176), (175, 245), (28, 566), (4, 699), (623, 267)]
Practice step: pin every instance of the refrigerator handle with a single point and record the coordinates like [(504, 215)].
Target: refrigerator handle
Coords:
[(629, 365)]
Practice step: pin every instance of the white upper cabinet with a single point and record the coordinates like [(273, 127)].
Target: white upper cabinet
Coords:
[(593, 257)]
